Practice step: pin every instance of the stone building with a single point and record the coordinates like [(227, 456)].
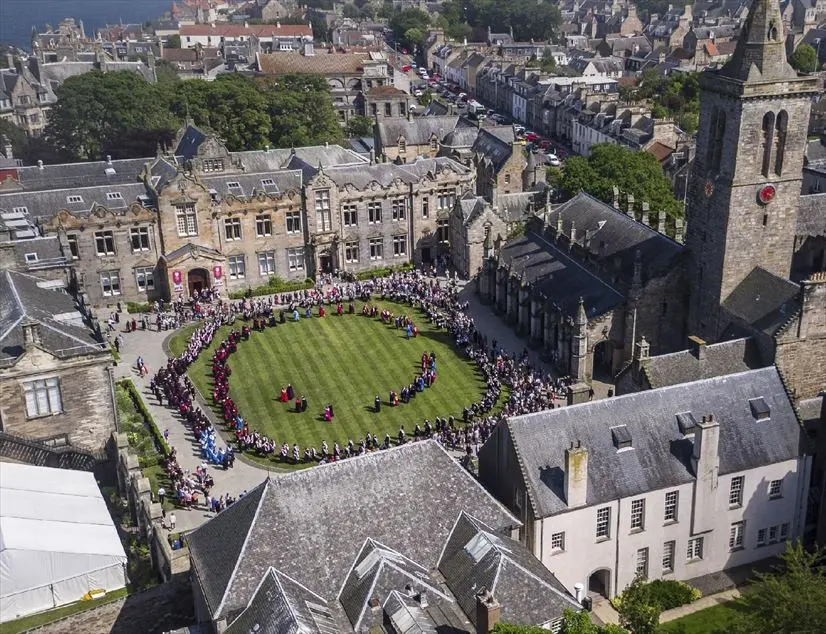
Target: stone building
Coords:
[(753, 264), (202, 217), (53, 365), (407, 139)]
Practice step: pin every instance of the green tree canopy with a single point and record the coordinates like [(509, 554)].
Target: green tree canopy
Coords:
[(805, 59), (791, 599), (530, 19), (173, 41), (612, 165), (360, 127), (410, 22)]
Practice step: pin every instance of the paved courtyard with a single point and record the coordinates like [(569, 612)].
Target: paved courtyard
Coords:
[(150, 345)]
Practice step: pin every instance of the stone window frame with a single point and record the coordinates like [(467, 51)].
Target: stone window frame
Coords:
[(376, 248), (735, 494), (147, 273), (350, 214), (296, 259), (110, 279), (292, 222), (374, 212), (399, 209), (232, 229), (268, 259), (263, 226), (351, 251), (140, 233), (186, 220), (603, 528), (48, 387), (558, 542), (638, 514), (105, 242), (400, 246)]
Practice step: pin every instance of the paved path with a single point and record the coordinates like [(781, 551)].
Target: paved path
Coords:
[(149, 344), (701, 604)]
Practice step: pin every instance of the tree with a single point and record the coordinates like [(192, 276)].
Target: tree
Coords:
[(611, 166), (359, 127), (547, 62), (173, 41), (414, 37), (805, 59), (636, 612), (410, 22), (791, 598)]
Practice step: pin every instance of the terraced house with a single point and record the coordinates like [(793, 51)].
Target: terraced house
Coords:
[(202, 217)]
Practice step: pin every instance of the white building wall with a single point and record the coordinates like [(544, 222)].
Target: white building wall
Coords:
[(584, 555)]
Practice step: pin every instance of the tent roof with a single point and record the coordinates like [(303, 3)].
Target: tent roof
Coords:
[(56, 510)]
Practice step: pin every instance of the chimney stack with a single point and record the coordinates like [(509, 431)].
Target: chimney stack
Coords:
[(8, 150), (645, 209), (31, 334), (488, 611), (576, 475), (706, 463), (661, 222), (697, 347), (630, 202), (678, 230)]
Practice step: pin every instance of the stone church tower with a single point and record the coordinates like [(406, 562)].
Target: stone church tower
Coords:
[(746, 181)]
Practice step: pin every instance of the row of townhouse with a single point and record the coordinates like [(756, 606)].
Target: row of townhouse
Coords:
[(201, 217)]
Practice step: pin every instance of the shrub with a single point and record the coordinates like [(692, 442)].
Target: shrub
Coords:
[(140, 406), (665, 594), (384, 271), (138, 307), (275, 285)]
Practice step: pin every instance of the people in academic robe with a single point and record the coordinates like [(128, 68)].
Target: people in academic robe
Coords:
[(377, 404), (298, 405), (290, 392), (296, 316), (303, 403), (330, 407), (327, 415), (284, 398), (321, 311)]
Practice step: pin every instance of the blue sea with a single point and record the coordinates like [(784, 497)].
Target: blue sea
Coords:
[(17, 17)]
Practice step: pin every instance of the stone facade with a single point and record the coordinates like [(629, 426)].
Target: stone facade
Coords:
[(87, 416)]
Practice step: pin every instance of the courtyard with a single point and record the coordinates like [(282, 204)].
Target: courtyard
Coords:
[(344, 361)]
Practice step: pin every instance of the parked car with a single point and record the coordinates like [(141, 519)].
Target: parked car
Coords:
[(553, 160), (545, 144), (406, 68), (519, 129), (418, 93), (532, 137)]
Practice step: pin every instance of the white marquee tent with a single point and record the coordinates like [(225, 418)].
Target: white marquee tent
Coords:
[(57, 539)]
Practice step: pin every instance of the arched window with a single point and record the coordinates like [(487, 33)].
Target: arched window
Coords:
[(716, 132), (766, 142), (781, 126)]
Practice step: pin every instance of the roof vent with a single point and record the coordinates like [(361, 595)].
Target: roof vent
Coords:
[(759, 408), (621, 437), (687, 423)]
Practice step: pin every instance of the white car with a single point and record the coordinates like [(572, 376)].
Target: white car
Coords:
[(553, 160), (418, 93)]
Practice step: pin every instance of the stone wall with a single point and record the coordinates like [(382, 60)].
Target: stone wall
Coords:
[(87, 417)]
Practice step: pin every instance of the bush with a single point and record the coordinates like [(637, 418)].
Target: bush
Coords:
[(665, 594), (275, 285), (140, 406), (138, 307), (384, 271)]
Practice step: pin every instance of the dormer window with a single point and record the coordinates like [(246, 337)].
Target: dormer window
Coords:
[(74, 199), (31, 258), (759, 408), (621, 437), (235, 187), (267, 182), (114, 196)]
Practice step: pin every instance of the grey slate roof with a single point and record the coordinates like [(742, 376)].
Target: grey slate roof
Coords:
[(614, 234), (661, 456), (461, 137), (811, 215), (515, 206), (46, 203), (281, 605), (230, 570), (385, 173), (62, 330), (250, 185), (495, 144), (554, 274), (475, 557), (416, 132), (763, 300), (274, 159), (68, 175), (728, 357)]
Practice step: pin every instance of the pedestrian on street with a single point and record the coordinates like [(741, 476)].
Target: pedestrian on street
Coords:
[(172, 522)]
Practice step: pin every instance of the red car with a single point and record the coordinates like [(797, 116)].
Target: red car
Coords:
[(406, 68), (532, 137), (545, 144)]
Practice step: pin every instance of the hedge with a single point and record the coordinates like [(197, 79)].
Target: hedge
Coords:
[(665, 594), (138, 307), (137, 399), (384, 271), (276, 285)]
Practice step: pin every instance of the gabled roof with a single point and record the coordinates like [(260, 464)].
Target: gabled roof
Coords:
[(477, 558), (495, 144), (24, 299), (231, 552), (88, 174), (763, 300), (418, 131), (719, 359), (661, 455)]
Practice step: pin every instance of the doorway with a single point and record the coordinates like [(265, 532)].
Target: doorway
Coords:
[(599, 583), (426, 257), (325, 262), (197, 281), (604, 361)]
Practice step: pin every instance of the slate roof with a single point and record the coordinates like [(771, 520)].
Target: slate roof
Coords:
[(811, 215), (495, 145), (461, 137), (189, 142), (417, 131), (247, 186), (231, 552), (275, 159), (516, 206), (67, 175), (284, 63), (558, 277), (475, 557), (661, 456), (728, 357), (46, 203), (25, 298), (763, 300), (614, 234), (281, 605)]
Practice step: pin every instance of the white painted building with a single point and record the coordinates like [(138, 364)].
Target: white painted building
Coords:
[(676, 483)]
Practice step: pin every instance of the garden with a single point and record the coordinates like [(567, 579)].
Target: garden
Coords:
[(345, 361)]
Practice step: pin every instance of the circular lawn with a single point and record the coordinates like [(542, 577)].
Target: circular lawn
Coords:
[(345, 361)]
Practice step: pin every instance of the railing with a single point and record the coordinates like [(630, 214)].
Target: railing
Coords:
[(36, 452)]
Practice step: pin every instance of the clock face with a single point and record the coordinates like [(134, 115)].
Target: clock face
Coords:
[(766, 194), (708, 189)]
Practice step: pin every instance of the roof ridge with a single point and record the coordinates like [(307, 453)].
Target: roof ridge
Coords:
[(522, 469)]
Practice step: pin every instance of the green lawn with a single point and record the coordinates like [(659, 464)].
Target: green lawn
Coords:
[(717, 619), (345, 361), (37, 620)]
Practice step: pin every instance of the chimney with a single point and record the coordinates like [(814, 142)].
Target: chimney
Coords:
[(8, 150), (661, 222), (644, 217), (488, 611), (31, 334), (372, 156), (706, 463), (630, 202), (576, 475), (697, 347), (678, 230), (108, 159), (616, 197), (39, 164)]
